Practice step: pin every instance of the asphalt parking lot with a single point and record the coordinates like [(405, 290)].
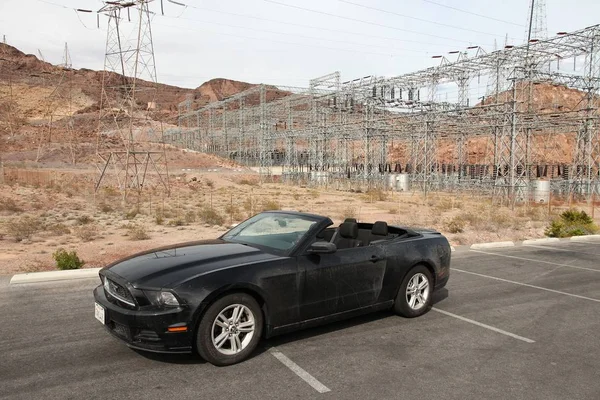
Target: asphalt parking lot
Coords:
[(518, 323)]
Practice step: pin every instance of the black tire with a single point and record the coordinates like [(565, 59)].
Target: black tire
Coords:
[(208, 323), (402, 306)]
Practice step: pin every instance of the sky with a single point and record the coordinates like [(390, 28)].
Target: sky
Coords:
[(287, 42)]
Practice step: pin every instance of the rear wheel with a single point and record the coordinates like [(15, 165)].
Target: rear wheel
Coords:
[(415, 295), (230, 329)]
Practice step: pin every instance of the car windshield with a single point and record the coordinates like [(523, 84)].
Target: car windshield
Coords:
[(277, 231)]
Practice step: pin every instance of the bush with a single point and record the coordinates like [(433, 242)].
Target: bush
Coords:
[(137, 232), (177, 222), (159, 219), (190, 217), (211, 217), (24, 227), (84, 220), (248, 182), (105, 208), (65, 260), (9, 205), (132, 213), (269, 205), (86, 233), (348, 212), (456, 225), (59, 229), (571, 223)]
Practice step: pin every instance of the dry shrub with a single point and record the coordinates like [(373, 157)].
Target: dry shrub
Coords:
[(269, 205), (248, 181), (131, 214), (105, 208), (456, 225), (210, 183), (501, 220), (249, 204), (7, 204), (59, 229), (84, 220), (211, 217), (348, 212), (176, 222), (22, 228), (137, 232), (444, 204), (375, 195), (86, 233), (393, 210), (233, 212), (190, 217), (159, 219)]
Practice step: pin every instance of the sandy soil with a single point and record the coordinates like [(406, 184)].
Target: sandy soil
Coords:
[(64, 212)]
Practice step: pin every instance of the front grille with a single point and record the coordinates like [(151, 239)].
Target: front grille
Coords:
[(118, 292)]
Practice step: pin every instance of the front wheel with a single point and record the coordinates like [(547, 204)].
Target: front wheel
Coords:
[(415, 295), (230, 329)]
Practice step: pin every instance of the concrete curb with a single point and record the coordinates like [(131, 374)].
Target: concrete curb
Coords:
[(537, 241), (491, 245), (49, 276), (587, 238)]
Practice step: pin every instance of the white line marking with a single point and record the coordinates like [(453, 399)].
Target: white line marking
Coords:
[(537, 261), (561, 249), (526, 284), (308, 378), (524, 339)]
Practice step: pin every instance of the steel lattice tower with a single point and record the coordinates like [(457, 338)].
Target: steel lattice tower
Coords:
[(536, 21), (125, 128)]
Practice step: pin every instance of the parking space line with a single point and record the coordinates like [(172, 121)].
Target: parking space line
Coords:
[(524, 339), (537, 261), (526, 284), (308, 378), (560, 249)]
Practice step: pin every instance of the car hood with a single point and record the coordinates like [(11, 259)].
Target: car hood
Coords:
[(168, 266)]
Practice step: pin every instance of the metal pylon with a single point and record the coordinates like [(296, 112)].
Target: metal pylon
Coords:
[(124, 145)]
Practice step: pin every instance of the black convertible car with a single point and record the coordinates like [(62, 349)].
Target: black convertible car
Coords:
[(273, 273)]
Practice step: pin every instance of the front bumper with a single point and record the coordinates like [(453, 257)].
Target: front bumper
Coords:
[(146, 330)]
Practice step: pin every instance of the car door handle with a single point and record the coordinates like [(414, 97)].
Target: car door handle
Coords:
[(375, 258)]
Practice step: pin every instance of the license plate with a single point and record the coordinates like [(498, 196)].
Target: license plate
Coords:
[(99, 312)]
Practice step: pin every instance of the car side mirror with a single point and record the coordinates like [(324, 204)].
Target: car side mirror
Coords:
[(322, 248)]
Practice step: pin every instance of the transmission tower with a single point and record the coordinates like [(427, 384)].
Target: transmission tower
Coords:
[(125, 127), (59, 112), (536, 21)]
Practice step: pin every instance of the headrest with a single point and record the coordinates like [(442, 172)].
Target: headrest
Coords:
[(351, 220), (349, 230), (380, 228)]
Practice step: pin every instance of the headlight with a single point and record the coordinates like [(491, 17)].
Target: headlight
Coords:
[(162, 298)]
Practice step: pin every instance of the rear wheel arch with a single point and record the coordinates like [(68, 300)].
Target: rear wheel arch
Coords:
[(424, 263)]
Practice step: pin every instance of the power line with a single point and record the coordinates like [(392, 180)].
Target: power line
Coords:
[(314, 27), (283, 42), (417, 18), (473, 13), (303, 36), (362, 21)]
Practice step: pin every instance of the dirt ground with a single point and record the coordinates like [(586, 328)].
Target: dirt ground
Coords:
[(63, 211)]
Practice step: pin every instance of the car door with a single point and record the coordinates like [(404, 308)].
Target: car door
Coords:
[(342, 281)]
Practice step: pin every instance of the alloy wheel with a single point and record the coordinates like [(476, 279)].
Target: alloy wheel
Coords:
[(233, 329), (417, 291)]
